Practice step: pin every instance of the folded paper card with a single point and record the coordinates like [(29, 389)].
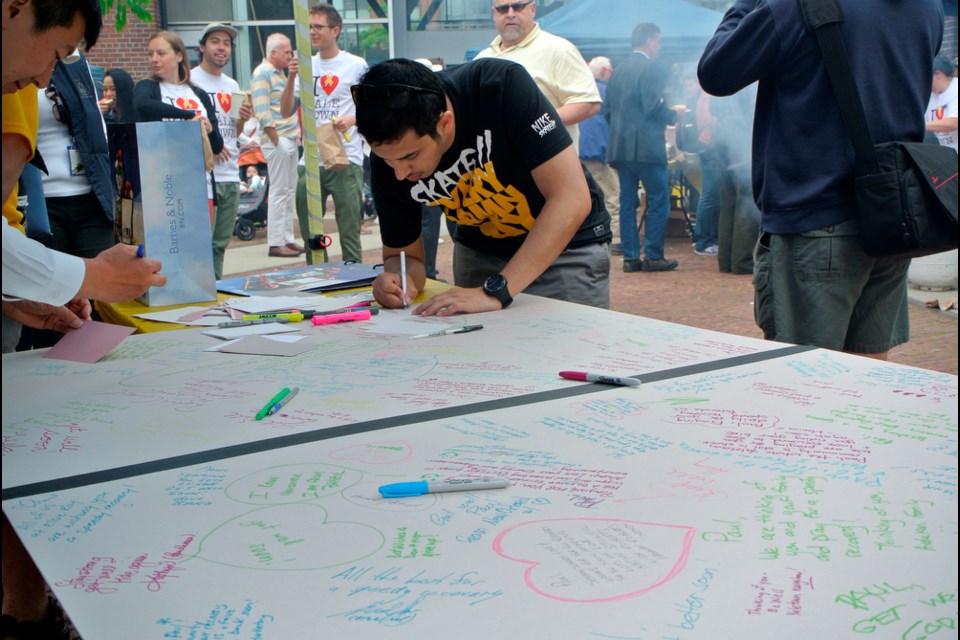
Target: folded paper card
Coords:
[(89, 343)]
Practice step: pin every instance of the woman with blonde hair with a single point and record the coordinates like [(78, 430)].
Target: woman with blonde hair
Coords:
[(169, 95)]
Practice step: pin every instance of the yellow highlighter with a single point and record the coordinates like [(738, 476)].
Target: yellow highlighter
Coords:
[(346, 135)]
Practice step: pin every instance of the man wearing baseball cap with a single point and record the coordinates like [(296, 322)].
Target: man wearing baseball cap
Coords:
[(215, 48)]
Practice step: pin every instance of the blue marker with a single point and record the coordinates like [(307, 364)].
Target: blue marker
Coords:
[(411, 489), (141, 251)]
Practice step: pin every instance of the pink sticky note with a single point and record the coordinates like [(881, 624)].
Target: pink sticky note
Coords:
[(90, 342)]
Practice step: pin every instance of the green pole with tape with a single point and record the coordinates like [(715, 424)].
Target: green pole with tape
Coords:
[(311, 158)]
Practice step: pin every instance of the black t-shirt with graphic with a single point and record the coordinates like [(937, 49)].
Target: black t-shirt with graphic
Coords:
[(505, 128)]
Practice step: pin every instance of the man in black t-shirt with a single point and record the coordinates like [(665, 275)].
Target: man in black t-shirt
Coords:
[(483, 143)]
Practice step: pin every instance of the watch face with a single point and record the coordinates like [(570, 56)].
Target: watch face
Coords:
[(494, 284)]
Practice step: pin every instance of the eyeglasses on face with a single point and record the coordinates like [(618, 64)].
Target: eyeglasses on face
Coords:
[(319, 27), (517, 7), (388, 96)]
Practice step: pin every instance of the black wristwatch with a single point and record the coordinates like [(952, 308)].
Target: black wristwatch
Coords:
[(496, 287)]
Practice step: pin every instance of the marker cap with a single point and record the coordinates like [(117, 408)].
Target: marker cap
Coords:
[(404, 489)]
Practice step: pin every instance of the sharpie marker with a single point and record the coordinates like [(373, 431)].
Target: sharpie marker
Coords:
[(347, 316), (244, 323), (582, 376), (467, 328), (411, 489), (284, 400), (268, 409)]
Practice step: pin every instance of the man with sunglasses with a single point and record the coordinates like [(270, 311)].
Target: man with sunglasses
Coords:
[(483, 143), (556, 65)]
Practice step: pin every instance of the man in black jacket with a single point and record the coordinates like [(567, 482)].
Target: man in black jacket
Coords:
[(638, 117), (814, 283)]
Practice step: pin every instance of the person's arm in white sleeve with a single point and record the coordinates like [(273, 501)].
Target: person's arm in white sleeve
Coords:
[(33, 272)]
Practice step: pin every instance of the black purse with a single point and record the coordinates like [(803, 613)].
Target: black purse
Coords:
[(906, 191)]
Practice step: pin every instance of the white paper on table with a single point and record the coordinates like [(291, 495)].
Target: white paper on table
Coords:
[(213, 316), (402, 322), (251, 330), (265, 304), (278, 338)]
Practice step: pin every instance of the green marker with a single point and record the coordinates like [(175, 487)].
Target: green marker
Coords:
[(277, 398)]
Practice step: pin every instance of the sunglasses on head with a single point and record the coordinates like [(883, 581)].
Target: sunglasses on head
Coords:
[(516, 6), (387, 96)]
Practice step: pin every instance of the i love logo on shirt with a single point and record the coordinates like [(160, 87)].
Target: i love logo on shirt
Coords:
[(328, 83), (187, 103), (224, 99)]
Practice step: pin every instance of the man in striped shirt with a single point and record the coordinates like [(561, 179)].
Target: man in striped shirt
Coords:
[(279, 144)]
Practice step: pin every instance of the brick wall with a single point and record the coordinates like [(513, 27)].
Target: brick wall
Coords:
[(127, 49)]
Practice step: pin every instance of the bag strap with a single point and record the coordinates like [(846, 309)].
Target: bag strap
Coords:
[(823, 17)]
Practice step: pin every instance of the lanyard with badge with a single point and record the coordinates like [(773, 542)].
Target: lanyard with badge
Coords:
[(61, 115)]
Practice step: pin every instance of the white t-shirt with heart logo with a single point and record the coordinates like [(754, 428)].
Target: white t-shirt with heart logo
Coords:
[(221, 89), (182, 97)]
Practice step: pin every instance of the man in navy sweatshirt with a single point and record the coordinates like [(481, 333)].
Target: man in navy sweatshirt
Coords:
[(813, 282)]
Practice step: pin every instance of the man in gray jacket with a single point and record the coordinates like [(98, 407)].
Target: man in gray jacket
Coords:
[(638, 117)]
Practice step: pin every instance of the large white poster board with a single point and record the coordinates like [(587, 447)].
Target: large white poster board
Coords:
[(161, 395), (809, 496)]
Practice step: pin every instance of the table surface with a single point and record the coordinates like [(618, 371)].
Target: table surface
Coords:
[(125, 313), (788, 491)]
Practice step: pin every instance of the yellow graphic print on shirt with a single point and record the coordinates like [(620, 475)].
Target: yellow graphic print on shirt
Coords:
[(471, 194)]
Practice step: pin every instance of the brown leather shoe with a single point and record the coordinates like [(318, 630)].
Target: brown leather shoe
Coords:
[(296, 247), (283, 252)]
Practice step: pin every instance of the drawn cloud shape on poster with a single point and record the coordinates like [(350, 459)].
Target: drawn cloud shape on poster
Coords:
[(596, 559), (292, 537)]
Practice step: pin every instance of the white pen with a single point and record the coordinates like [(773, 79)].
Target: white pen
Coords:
[(467, 328), (410, 489), (403, 277)]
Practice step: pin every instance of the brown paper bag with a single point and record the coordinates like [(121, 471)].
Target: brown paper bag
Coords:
[(208, 158), (330, 148)]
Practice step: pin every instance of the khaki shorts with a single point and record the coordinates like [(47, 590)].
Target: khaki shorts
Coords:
[(819, 288)]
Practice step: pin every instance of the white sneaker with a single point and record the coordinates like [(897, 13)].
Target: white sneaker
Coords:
[(709, 251)]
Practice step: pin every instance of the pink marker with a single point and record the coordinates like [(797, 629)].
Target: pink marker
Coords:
[(583, 376), (334, 318)]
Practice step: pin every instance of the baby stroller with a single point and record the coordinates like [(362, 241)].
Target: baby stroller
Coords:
[(252, 211)]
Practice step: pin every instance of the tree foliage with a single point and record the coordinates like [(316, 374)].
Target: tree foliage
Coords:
[(139, 8)]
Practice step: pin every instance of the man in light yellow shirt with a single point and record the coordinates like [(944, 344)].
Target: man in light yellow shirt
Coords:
[(557, 67)]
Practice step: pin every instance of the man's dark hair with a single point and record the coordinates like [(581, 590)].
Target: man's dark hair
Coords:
[(48, 14), (942, 64), (329, 12), (418, 108), (642, 34)]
